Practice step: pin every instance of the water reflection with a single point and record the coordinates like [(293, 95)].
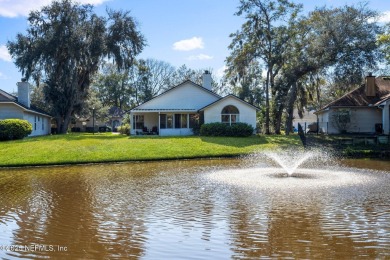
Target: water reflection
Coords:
[(173, 210)]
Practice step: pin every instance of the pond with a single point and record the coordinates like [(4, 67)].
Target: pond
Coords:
[(195, 209)]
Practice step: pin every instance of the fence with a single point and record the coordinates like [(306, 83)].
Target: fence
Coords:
[(315, 127)]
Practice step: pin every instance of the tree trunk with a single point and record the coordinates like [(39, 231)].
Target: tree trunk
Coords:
[(290, 108), (267, 131), (278, 112), (63, 127)]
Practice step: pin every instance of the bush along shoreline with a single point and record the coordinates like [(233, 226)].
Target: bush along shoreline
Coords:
[(14, 129), (221, 129)]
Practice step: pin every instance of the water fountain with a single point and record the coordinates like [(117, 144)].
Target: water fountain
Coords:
[(291, 169)]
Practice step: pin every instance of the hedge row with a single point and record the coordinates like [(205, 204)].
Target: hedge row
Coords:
[(12, 129), (221, 129)]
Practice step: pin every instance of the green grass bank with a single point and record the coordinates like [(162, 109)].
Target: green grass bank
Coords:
[(89, 148), (343, 145)]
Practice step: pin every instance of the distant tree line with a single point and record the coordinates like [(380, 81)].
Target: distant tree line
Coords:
[(63, 48), (308, 59), (280, 59)]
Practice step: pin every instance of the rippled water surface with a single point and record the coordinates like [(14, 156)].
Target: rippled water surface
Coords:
[(206, 209)]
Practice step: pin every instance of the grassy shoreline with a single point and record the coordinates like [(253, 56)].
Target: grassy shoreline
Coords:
[(103, 148), (333, 143)]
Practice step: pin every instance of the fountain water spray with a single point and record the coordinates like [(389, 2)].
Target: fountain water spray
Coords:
[(311, 169), (289, 162)]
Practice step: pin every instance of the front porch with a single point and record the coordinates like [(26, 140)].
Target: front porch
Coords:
[(163, 123)]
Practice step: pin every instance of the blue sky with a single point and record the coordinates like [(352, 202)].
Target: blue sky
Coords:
[(190, 32)]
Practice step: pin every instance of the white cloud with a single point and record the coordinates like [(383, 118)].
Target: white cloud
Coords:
[(4, 54), (384, 17), (200, 57), (14, 8), (189, 44), (2, 76), (221, 71)]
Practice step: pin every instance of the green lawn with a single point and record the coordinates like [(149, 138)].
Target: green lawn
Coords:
[(88, 148)]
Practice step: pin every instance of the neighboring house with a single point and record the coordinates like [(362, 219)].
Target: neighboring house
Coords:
[(115, 115), (177, 111), (114, 120), (308, 118), (12, 107), (363, 110)]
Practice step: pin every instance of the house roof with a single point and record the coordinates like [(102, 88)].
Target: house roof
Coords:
[(14, 100), (358, 97), (225, 97), (176, 87), (8, 95), (138, 109), (116, 112)]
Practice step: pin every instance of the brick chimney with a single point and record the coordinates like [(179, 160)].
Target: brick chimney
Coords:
[(24, 93), (206, 80), (370, 86)]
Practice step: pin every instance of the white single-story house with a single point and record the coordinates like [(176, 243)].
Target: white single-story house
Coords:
[(366, 109), (177, 110), (12, 107)]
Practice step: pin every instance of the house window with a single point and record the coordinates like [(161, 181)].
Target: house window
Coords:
[(230, 115), (184, 120), (177, 120), (35, 122), (169, 121), (180, 120), (138, 122), (43, 124), (163, 121), (344, 116)]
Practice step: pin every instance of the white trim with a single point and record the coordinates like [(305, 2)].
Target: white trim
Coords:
[(183, 111), (225, 97)]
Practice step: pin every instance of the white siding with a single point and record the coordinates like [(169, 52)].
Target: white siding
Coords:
[(247, 113), (41, 125), (363, 120), (308, 118), (176, 131), (10, 111), (323, 122), (186, 96)]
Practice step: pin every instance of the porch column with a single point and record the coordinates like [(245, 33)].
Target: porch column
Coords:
[(386, 118), (131, 124), (158, 127)]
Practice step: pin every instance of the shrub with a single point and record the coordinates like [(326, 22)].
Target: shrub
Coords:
[(124, 129), (12, 129), (221, 129), (213, 129), (240, 130)]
